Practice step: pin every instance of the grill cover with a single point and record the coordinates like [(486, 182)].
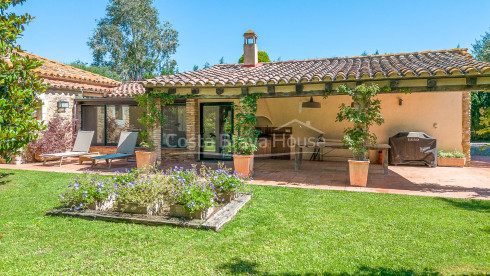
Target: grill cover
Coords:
[(410, 147)]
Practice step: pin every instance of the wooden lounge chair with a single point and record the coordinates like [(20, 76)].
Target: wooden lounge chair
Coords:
[(81, 147), (125, 148)]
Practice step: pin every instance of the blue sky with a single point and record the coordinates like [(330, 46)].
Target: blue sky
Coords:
[(209, 30)]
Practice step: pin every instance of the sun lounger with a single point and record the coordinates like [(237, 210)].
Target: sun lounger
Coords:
[(81, 147), (125, 148)]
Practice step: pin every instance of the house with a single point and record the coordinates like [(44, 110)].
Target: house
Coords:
[(67, 83), (428, 92)]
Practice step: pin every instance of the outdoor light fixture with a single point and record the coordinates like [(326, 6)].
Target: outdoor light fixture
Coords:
[(400, 101), (63, 104), (311, 104)]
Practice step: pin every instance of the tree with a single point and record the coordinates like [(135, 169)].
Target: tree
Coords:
[(222, 60), (103, 71), (19, 85), (365, 113), (481, 48), (206, 65), (195, 68), (170, 68), (364, 53), (131, 40), (262, 57)]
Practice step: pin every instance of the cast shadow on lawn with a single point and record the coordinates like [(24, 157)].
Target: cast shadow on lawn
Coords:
[(3, 178), (470, 205), (239, 267)]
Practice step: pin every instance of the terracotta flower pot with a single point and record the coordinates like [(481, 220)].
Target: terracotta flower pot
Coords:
[(450, 162), (244, 164), (145, 159), (358, 172)]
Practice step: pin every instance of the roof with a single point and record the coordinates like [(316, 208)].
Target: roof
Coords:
[(404, 65), (62, 76), (128, 89)]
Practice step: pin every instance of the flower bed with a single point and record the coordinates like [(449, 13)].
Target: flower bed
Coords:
[(190, 193)]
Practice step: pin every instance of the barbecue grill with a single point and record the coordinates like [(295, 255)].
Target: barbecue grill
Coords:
[(413, 147)]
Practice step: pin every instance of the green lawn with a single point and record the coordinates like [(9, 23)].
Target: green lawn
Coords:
[(282, 231)]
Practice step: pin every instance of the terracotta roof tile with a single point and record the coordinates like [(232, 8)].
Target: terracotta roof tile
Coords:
[(62, 76), (417, 64), (128, 89)]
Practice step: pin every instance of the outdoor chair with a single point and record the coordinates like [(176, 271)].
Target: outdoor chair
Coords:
[(125, 148), (81, 147)]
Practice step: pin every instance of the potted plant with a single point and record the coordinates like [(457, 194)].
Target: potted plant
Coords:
[(226, 184), (364, 112), (143, 195), (147, 157), (244, 143), (89, 191), (450, 159), (192, 196)]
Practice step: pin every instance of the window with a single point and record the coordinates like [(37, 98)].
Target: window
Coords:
[(109, 120), (118, 112), (174, 127)]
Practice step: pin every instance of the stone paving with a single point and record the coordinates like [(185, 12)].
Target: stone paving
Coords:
[(468, 182)]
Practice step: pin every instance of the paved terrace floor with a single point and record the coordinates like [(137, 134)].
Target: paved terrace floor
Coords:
[(468, 182)]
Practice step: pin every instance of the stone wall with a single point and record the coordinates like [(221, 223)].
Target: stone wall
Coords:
[(466, 124), (50, 104)]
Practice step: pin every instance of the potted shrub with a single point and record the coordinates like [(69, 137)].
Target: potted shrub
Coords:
[(89, 191), (148, 157), (450, 159), (244, 143), (144, 195), (226, 184), (191, 196), (364, 112)]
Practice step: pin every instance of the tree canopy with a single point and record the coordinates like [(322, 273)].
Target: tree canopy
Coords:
[(19, 84), (103, 71), (131, 40), (262, 57), (481, 48)]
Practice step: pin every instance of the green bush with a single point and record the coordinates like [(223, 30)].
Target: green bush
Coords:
[(450, 154), (262, 57), (85, 189)]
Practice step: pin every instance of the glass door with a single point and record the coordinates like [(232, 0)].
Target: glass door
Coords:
[(216, 130)]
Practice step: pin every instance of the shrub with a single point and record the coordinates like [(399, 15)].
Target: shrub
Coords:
[(145, 190), (191, 190), (86, 189), (225, 181), (59, 136), (450, 154)]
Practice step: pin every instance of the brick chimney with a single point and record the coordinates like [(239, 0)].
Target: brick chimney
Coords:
[(250, 52)]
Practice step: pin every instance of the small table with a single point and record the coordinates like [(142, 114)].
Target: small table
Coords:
[(86, 157), (298, 151)]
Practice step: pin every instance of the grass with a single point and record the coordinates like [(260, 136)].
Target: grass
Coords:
[(282, 231)]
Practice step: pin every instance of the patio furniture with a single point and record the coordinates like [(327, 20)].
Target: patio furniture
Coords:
[(84, 158), (81, 147), (125, 148), (298, 151)]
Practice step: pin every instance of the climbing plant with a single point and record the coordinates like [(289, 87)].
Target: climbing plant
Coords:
[(153, 102), (364, 113), (245, 140)]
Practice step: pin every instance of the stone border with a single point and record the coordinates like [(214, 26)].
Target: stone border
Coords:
[(215, 222)]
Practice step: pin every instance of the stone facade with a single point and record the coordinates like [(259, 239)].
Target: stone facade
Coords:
[(465, 142), (192, 134), (50, 101)]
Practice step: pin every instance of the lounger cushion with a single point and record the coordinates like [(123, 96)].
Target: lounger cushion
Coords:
[(111, 156)]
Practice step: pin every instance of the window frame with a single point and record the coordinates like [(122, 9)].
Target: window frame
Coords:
[(161, 127)]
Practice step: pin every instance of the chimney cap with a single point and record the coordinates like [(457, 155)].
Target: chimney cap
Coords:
[(250, 34)]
